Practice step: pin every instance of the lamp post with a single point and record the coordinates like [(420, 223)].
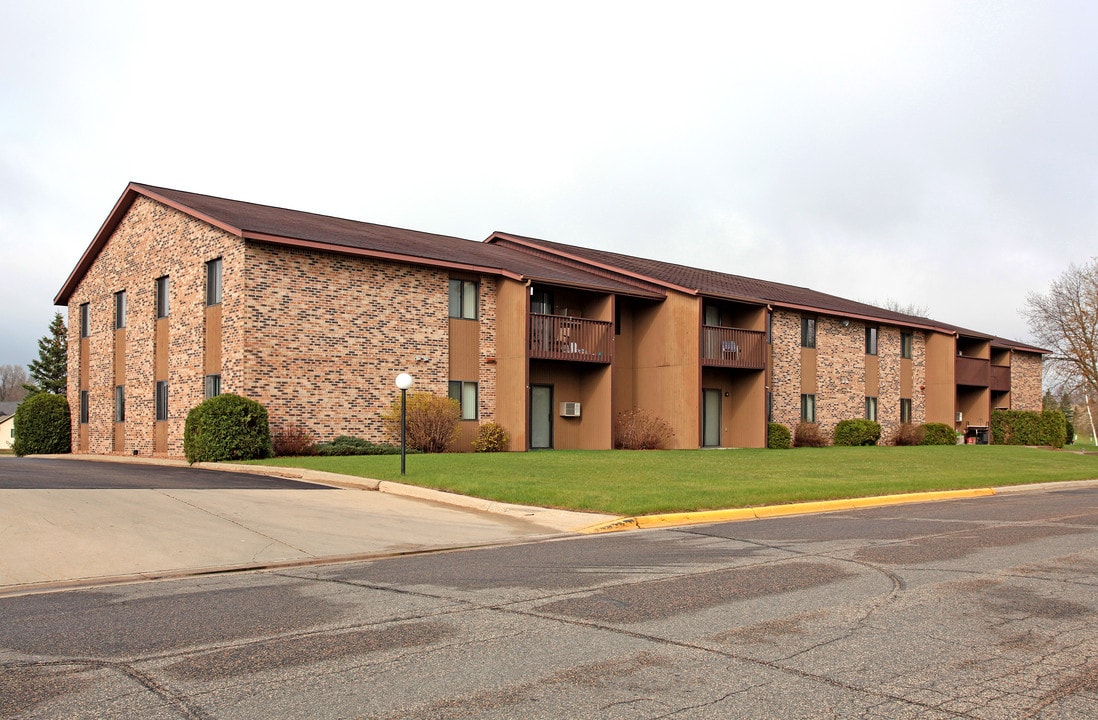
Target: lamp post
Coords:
[(403, 381)]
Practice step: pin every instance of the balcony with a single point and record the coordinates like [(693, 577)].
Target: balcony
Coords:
[(558, 337), (974, 372), (733, 348), (1000, 378)]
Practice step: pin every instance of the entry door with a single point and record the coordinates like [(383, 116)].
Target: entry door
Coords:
[(541, 416), (711, 418)]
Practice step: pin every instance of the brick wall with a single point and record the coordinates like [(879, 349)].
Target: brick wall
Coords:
[(151, 241), (785, 368), (326, 335), (1025, 381), (840, 372)]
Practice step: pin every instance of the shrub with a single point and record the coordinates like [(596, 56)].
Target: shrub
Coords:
[(909, 434), (432, 422), (1026, 427), (227, 427), (778, 437), (43, 425), (853, 433), (938, 434), (639, 429), (347, 445), (491, 437), (809, 435), (293, 441)]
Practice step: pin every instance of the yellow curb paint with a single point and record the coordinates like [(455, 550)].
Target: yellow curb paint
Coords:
[(770, 511)]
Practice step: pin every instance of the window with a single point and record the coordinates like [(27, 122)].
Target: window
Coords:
[(808, 332), (871, 408), (161, 400), (213, 282), (120, 310), (162, 297), (712, 315), (808, 408), (769, 327), (541, 301), (871, 334), (463, 299), (466, 394), (907, 344), (769, 407), (120, 403), (905, 410), (85, 320), (84, 407), (213, 386)]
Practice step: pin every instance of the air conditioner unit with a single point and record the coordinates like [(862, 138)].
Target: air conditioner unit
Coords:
[(960, 417), (569, 409)]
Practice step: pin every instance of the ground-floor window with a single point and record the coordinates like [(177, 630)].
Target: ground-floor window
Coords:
[(84, 406), (808, 408), (466, 395), (213, 386), (120, 403), (161, 400), (905, 410), (871, 408)]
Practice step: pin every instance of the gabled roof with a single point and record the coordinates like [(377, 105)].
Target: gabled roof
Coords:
[(710, 283), (264, 223)]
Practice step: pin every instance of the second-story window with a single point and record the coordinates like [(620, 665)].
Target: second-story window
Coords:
[(712, 316), (463, 299), (541, 301), (907, 344), (85, 320), (213, 282), (871, 334), (162, 297), (808, 332), (120, 310)]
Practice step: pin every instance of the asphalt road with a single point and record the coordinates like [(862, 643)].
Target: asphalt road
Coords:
[(965, 609)]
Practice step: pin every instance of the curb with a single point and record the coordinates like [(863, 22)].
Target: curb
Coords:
[(642, 522)]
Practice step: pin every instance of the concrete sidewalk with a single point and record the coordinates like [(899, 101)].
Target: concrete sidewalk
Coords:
[(58, 538)]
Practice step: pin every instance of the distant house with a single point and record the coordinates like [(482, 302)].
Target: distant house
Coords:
[(7, 424), (182, 296)]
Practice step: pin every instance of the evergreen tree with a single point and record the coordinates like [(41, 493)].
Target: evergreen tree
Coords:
[(50, 372)]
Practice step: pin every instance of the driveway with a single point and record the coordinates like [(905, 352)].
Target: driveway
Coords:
[(74, 522)]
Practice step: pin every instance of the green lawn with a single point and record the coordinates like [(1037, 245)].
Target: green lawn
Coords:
[(645, 482)]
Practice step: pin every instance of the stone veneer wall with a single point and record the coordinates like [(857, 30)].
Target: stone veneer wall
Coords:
[(785, 368), (151, 241)]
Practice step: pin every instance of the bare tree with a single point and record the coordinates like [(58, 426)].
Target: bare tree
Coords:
[(1065, 321), (12, 380), (908, 309)]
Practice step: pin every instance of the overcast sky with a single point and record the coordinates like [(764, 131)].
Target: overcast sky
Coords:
[(936, 154)]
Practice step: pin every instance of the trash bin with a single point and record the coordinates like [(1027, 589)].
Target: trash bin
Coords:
[(976, 435)]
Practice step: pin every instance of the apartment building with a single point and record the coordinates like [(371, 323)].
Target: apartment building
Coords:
[(182, 296)]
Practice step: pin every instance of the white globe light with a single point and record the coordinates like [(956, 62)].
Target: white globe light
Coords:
[(404, 381)]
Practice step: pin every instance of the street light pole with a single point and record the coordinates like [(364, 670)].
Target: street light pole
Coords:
[(403, 381)]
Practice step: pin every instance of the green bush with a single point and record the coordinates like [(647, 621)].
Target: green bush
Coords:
[(43, 425), (491, 437), (938, 434), (854, 433), (778, 437), (347, 445), (432, 422), (227, 427), (809, 435), (1027, 427)]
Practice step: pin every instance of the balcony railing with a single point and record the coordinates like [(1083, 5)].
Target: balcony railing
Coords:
[(975, 372), (557, 337), (1000, 378), (733, 348)]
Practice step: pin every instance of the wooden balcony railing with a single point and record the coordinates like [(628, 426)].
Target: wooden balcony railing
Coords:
[(1000, 378), (557, 337), (974, 372), (733, 348)]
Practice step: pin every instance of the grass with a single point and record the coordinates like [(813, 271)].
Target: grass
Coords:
[(653, 481)]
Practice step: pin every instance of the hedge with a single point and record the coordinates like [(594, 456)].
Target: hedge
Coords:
[(938, 434), (1028, 427), (853, 433), (778, 437)]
